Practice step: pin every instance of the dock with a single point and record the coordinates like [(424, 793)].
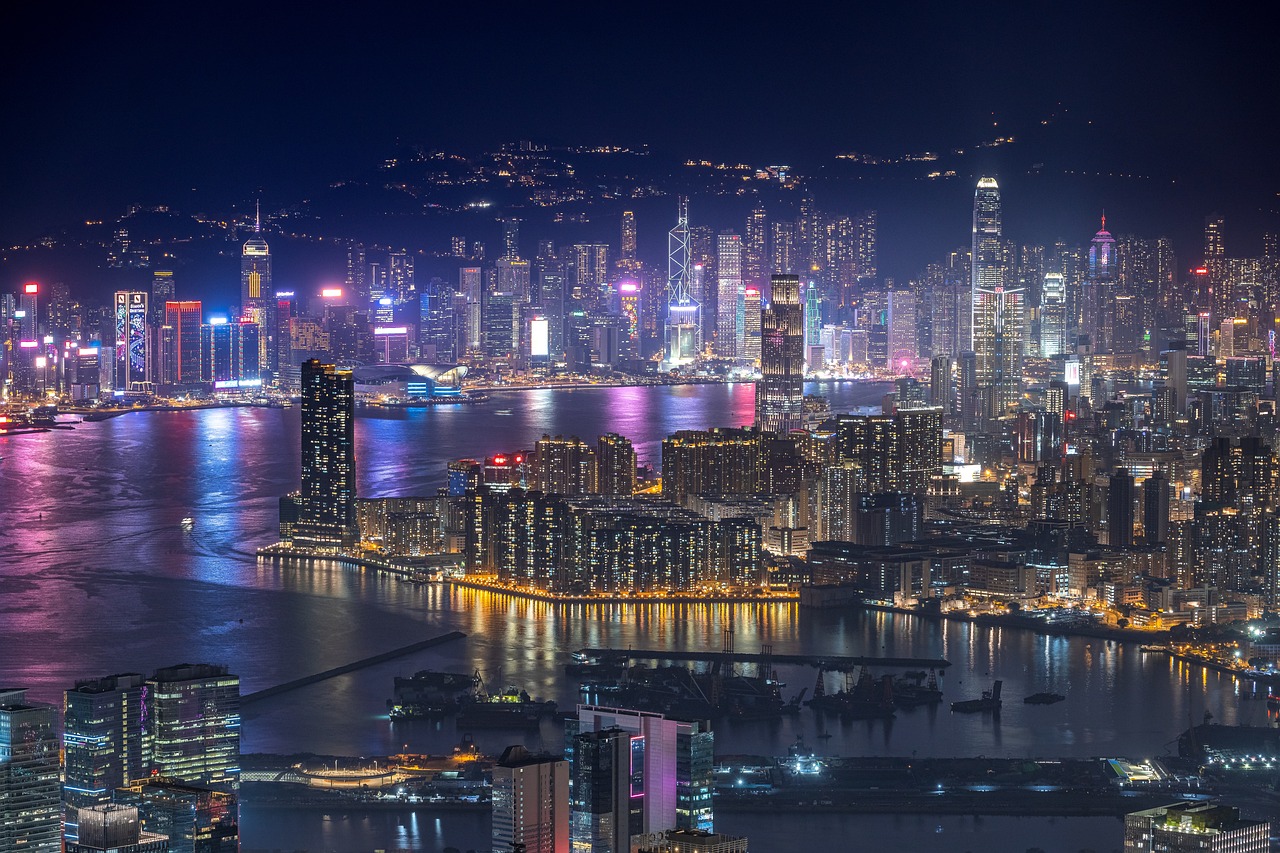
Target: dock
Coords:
[(833, 663), (268, 692)]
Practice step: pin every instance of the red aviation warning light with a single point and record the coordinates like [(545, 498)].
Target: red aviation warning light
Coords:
[(31, 287)]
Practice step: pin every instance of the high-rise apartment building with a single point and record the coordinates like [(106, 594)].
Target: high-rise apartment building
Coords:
[(327, 514), (193, 722), (563, 466), (30, 800), (615, 465), (780, 391), (530, 802)]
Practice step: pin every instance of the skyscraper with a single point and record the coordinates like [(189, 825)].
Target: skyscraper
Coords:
[(1053, 316), (998, 321), (256, 291), (628, 242), (684, 296), (1098, 293), (327, 514), (751, 325), (730, 296), (530, 802), (104, 738), (30, 804), (193, 722), (780, 391), (754, 263), (185, 319), (606, 804), (133, 343)]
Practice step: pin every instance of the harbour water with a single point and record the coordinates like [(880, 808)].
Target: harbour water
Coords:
[(98, 575)]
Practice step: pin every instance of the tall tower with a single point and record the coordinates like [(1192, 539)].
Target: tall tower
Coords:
[(780, 391), (683, 306), (327, 514), (133, 351), (997, 315), (1098, 294), (755, 263), (511, 238), (730, 296), (628, 243), (105, 738), (255, 270)]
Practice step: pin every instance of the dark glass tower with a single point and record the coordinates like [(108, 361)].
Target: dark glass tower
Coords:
[(780, 391), (327, 514)]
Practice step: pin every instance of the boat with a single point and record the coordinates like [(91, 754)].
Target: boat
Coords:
[(188, 522), (511, 708), (1154, 650), (429, 695), (990, 701), (908, 692), (866, 699), (1043, 698)]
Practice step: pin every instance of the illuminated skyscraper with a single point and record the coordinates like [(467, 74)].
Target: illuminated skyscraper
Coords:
[(193, 721), (133, 343), (998, 321), (730, 296), (780, 391), (357, 280), (754, 262), (327, 513), (1098, 294), (511, 238), (684, 295), (1215, 265), (628, 241), (400, 279), (30, 805), (1053, 316), (185, 319), (29, 309), (104, 738), (751, 325), (903, 342), (563, 466), (255, 271)]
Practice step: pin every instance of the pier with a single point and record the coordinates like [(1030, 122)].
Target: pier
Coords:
[(835, 663), (268, 692)]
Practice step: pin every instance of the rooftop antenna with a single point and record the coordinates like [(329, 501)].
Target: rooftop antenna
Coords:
[(257, 217)]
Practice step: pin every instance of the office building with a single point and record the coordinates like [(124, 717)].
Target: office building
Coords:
[(606, 803), (671, 764), (683, 323), (730, 296), (133, 356), (112, 828), (1053, 316), (105, 740), (1098, 293), (1194, 827), (903, 340), (327, 519), (997, 322), (30, 799), (780, 391), (530, 802), (193, 722), (627, 243), (195, 819), (751, 326), (185, 318)]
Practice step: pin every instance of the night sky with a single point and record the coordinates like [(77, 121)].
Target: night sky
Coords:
[(114, 105)]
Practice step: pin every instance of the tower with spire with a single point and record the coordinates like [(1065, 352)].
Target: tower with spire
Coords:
[(256, 292)]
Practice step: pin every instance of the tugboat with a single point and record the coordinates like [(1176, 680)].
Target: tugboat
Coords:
[(1043, 698), (990, 701)]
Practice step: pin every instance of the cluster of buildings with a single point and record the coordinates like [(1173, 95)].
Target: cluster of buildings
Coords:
[(628, 780), (142, 764)]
